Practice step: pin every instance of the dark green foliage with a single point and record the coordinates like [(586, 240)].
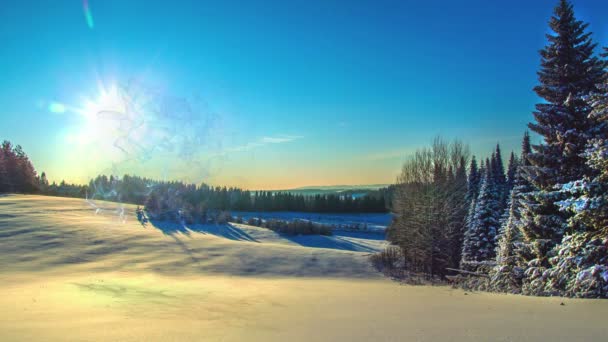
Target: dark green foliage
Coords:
[(474, 180), (569, 73), (480, 244), (512, 172), (297, 227), (17, 174), (137, 190)]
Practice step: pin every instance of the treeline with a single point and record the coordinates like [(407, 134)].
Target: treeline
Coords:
[(17, 174), (541, 226), (174, 195)]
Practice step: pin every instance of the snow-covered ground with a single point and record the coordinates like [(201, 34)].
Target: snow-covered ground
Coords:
[(373, 221), (69, 271)]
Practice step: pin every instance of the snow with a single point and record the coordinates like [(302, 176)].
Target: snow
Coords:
[(70, 274)]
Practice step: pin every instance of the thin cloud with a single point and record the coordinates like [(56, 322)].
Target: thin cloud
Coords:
[(279, 139)]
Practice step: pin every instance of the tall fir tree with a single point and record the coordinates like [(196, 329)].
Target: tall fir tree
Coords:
[(474, 178), (3, 173), (580, 267), (469, 241), (500, 180), (498, 169), (569, 72), (512, 171), (481, 234), (526, 149), (508, 273)]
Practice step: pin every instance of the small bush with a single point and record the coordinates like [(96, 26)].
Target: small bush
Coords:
[(389, 258), (295, 227)]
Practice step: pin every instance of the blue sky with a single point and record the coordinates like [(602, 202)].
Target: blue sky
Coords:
[(279, 93)]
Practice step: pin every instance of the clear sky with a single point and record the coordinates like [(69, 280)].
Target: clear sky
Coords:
[(272, 94)]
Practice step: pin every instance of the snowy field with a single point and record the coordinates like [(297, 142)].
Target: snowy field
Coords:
[(68, 273), (373, 221)]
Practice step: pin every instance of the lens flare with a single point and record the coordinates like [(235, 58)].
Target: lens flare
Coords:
[(56, 107), (87, 14)]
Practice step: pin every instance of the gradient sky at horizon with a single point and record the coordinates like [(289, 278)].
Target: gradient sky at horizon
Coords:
[(284, 93)]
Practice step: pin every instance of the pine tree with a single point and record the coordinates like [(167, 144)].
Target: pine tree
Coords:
[(500, 180), (484, 226), (508, 274), (569, 72), (43, 183), (473, 181), (3, 173), (512, 171), (498, 169), (9, 165), (468, 240), (580, 267), (526, 149)]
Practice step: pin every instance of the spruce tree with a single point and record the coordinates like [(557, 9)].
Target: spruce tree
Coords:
[(526, 149), (507, 275), (482, 230), (511, 172), (3, 173), (498, 169), (580, 267), (473, 181), (569, 72), (468, 240)]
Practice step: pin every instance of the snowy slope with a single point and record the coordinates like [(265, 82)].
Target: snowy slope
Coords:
[(77, 272)]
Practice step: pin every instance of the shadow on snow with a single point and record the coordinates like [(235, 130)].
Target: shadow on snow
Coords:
[(340, 240), (227, 231)]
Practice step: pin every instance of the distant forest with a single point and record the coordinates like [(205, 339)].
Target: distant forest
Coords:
[(17, 175)]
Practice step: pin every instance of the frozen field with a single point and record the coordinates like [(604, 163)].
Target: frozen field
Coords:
[(68, 274), (373, 221)]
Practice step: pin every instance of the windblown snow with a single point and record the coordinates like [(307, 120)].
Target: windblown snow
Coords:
[(69, 271)]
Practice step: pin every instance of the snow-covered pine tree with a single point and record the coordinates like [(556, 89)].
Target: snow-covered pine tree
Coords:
[(511, 171), (526, 149), (468, 241), (521, 185), (507, 275), (569, 72), (474, 178), (580, 267), (499, 178), (498, 167), (482, 230), (508, 187)]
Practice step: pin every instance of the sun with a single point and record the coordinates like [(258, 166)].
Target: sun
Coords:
[(108, 100), (96, 114)]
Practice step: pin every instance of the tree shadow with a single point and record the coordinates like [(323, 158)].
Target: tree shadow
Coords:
[(330, 242), (227, 231)]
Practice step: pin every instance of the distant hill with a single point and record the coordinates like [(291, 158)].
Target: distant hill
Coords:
[(342, 187), (355, 190)]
